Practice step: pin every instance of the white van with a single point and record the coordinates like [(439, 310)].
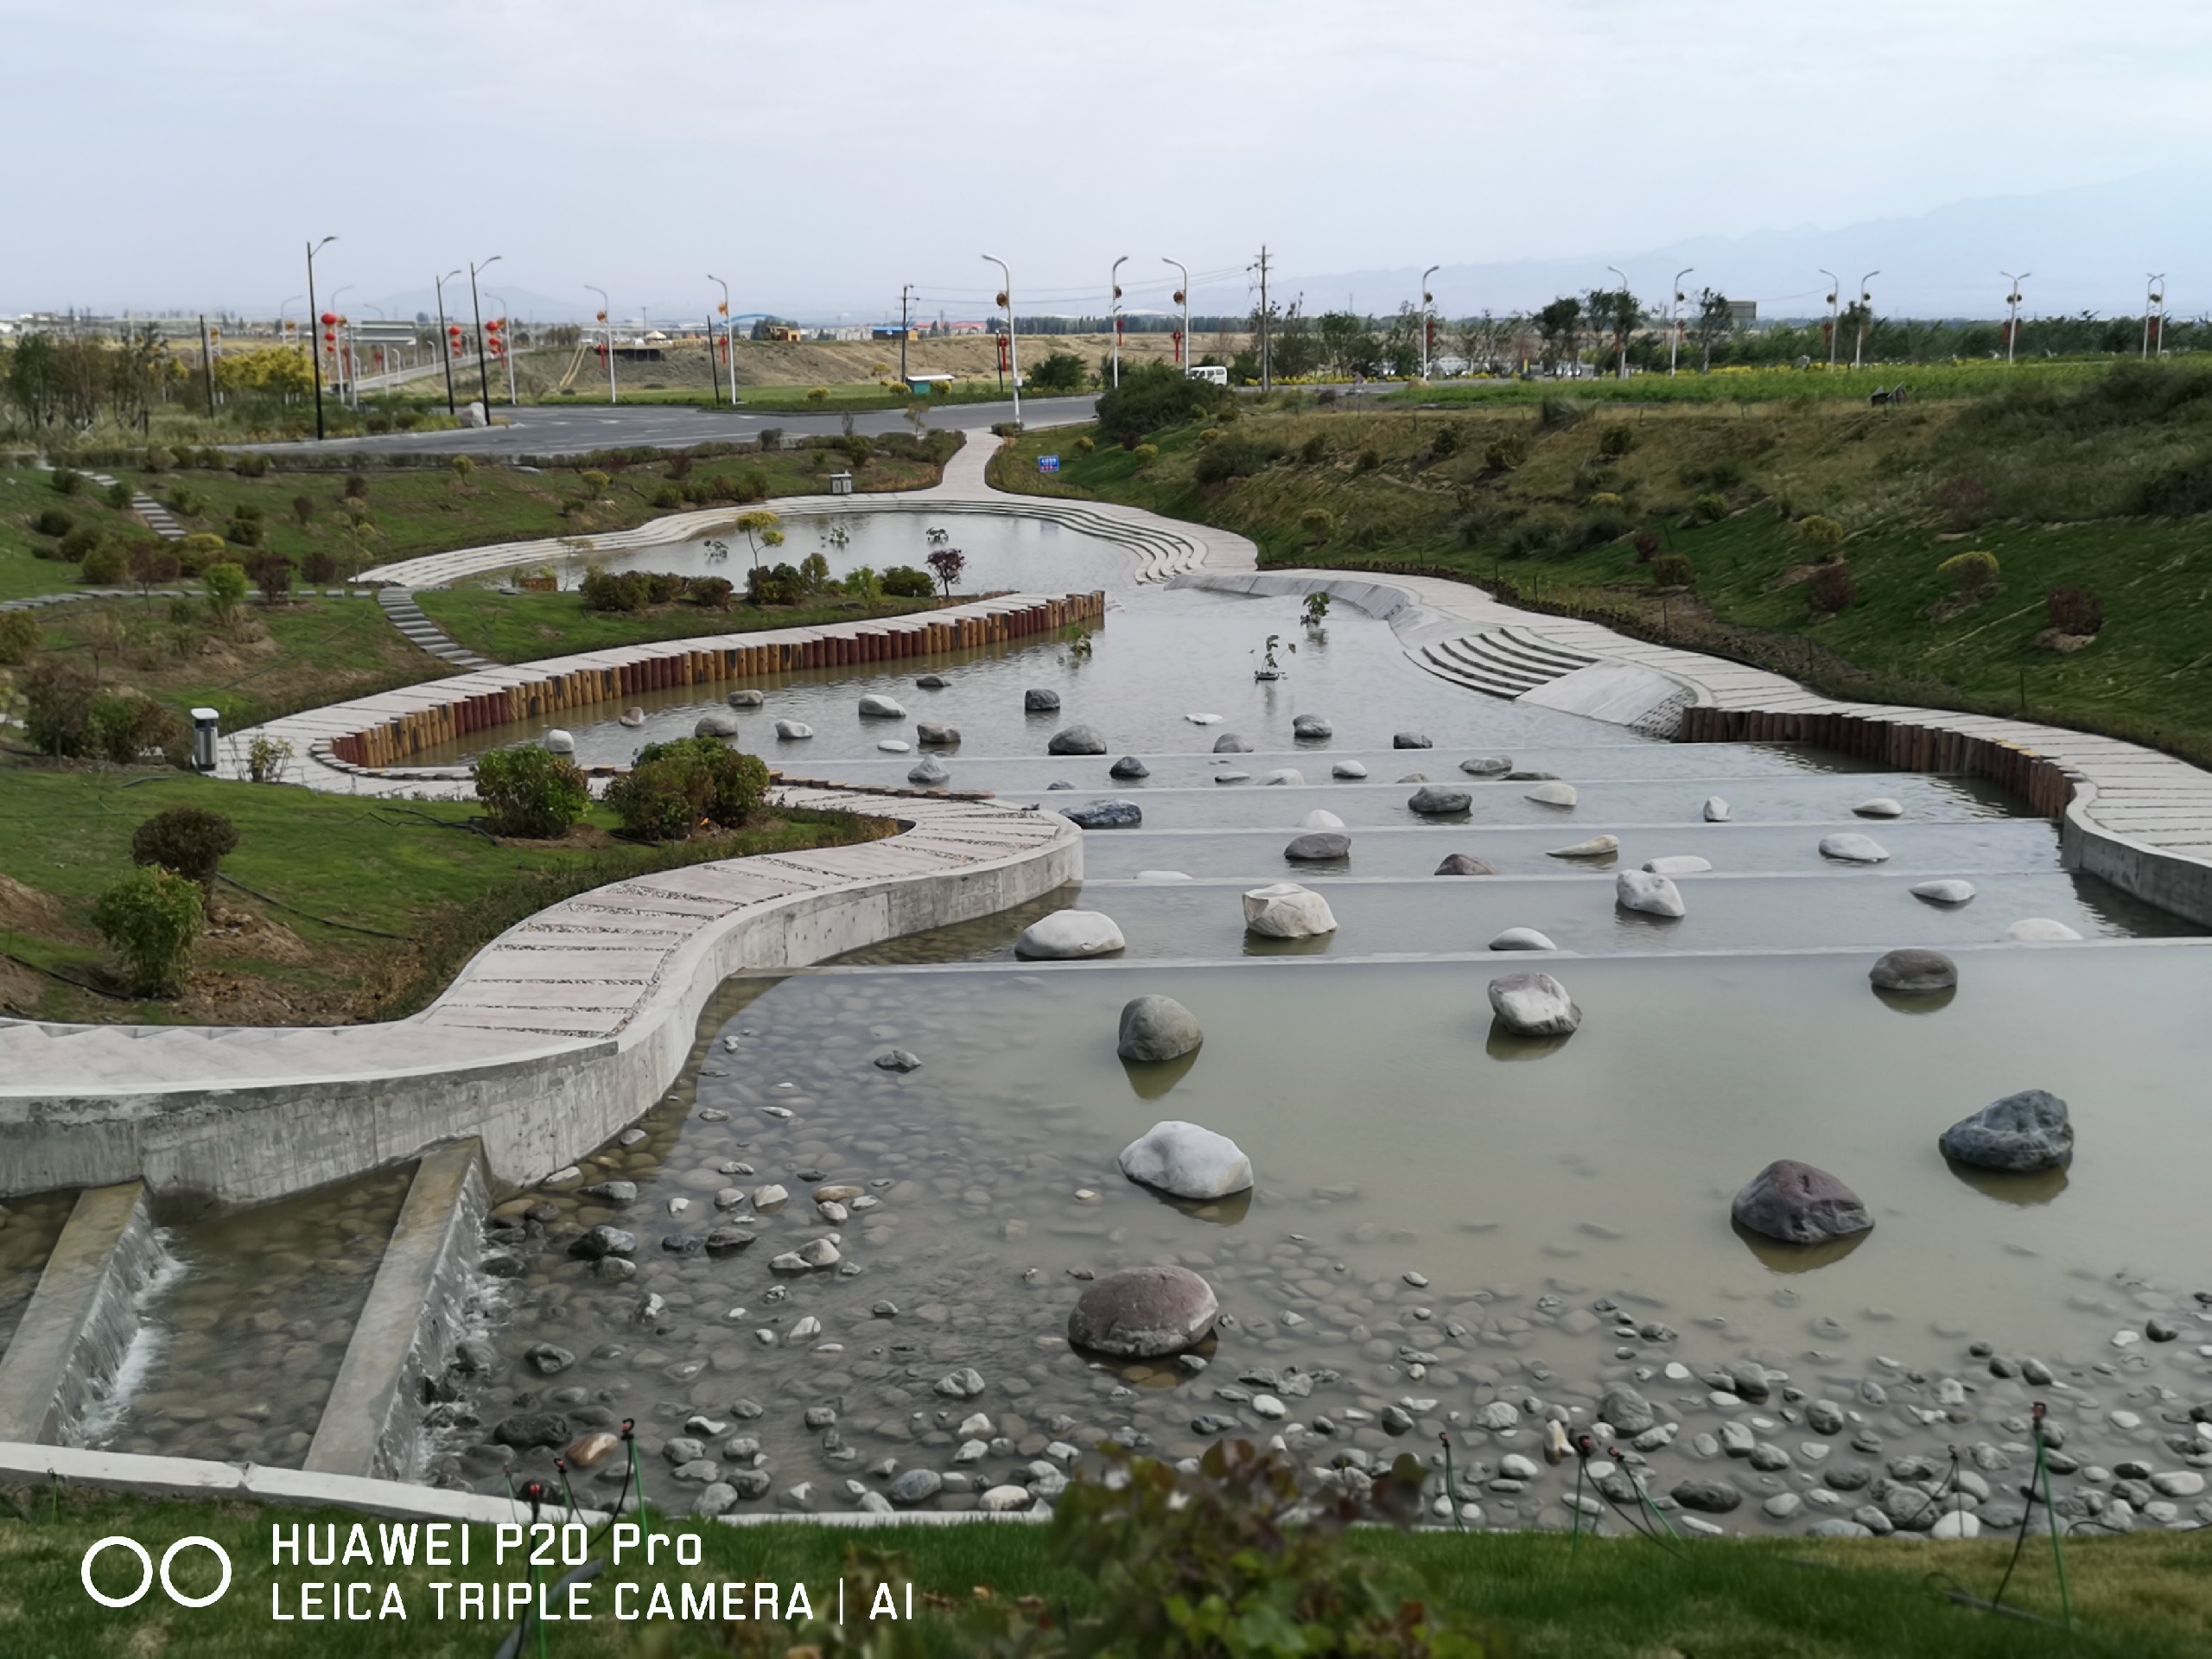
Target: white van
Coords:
[(1213, 373)]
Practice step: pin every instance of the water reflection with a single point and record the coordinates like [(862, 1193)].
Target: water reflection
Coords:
[(2025, 1190), (1152, 1079), (1917, 1001), (1781, 1257)]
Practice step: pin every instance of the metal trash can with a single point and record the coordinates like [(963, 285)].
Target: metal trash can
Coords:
[(205, 728), (841, 483)]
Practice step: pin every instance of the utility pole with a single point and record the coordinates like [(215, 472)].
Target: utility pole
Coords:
[(906, 329), (1427, 300), (483, 373), (207, 357), (2013, 316), (1835, 287), (314, 341), (1674, 319), (1267, 367), (445, 345), (1114, 281)]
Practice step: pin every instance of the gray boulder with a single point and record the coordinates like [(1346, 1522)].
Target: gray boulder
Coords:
[(1067, 934), (1129, 768), (1534, 1005), (1716, 810), (1487, 766), (1653, 895), (1041, 702), (876, 706), (1187, 1162), (930, 771), (604, 1241), (1075, 739), (1116, 814), (1949, 891), (914, 1486), (745, 699), (899, 1060), (1410, 740), (1353, 769), (1522, 938), (715, 725), (931, 735), (1230, 743), (1311, 726), (1433, 800), (792, 730), (1465, 864), (1799, 1204), (1286, 911), (1156, 1028), (1320, 845), (559, 742), (2020, 1133), (931, 683), (1853, 849), (1707, 1496), (1914, 970), (1629, 1412), (1144, 1312)]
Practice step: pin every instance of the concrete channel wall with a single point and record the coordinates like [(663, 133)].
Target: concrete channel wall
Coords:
[(82, 1318)]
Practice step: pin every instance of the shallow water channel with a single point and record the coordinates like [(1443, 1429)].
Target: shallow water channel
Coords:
[(1453, 1230)]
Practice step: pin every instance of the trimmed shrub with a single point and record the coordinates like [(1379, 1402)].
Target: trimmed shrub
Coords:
[(1709, 509), (1155, 396), (1646, 545), (1672, 570), (106, 565), (713, 593), (1615, 440), (250, 465), (1318, 522), (68, 479), (80, 541), (226, 585), (195, 554), (19, 638), (1146, 453), (320, 567), (1972, 573), (272, 574), (669, 496), (1963, 504), (1368, 461), (1083, 446), (1830, 590), (52, 521), (57, 706), (1821, 538), (1239, 457), (356, 487), (1314, 450), (2073, 610), (904, 581), (675, 786), (1445, 442), (117, 495), (530, 793), (122, 726), (152, 919), (186, 840), (303, 509)]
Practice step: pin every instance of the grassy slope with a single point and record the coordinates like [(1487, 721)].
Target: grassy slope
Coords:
[(2062, 483), (410, 869), (1623, 1599), (522, 628), (411, 511)]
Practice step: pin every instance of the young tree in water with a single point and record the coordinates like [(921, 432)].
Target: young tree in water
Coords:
[(948, 563)]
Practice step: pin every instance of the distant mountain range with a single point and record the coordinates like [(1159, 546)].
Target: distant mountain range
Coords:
[(2087, 248)]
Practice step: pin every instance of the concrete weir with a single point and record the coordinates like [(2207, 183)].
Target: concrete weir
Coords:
[(73, 1336), (371, 1422)]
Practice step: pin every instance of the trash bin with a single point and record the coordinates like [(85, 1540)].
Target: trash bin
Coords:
[(207, 724), (841, 483)]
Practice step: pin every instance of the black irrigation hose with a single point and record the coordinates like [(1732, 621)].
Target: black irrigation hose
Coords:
[(347, 927), (1584, 1446), (51, 972)]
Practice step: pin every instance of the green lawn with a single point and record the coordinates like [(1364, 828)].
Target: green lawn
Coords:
[(1548, 1596), (386, 899), (1925, 382), (523, 627), (23, 496)]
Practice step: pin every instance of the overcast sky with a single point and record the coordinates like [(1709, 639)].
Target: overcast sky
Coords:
[(176, 153)]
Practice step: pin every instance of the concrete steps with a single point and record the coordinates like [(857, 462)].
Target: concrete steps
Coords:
[(400, 608), (1503, 662), (158, 519)]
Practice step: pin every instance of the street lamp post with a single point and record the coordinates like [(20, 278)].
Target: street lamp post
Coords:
[(1835, 287), (476, 305), (1427, 300), (1114, 283), (606, 319), (1013, 345), (730, 348), (314, 326), (1183, 298), (1675, 319), (2013, 313), (1620, 326), (2153, 303), (445, 346), (1865, 315)]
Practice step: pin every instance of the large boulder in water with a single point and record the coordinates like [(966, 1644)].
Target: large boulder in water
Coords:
[(716, 724), (1129, 768), (1553, 794), (1155, 1029), (1653, 895), (929, 734), (1117, 814), (1522, 939), (1799, 1204), (1353, 769), (1070, 933), (1534, 1005), (931, 773), (1318, 846), (746, 699), (1286, 911), (1075, 739), (1187, 1162), (2021, 1133), (1853, 849), (1716, 810), (2039, 930), (1948, 890), (1465, 864), (1487, 766), (1320, 818), (1230, 743), (558, 741), (792, 730), (1143, 1313), (1410, 740), (1041, 702), (876, 706), (1436, 800), (1310, 727), (1914, 971)]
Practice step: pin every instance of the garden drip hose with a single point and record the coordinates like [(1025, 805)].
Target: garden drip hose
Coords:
[(1581, 1461), (1644, 1497), (2058, 1535), (1451, 1485), (535, 1491), (568, 1492)]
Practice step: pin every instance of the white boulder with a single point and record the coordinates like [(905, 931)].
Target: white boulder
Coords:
[(1522, 938), (876, 706), (1162, 875), (1716, 810), (1655, 895), (1320, 818), (794, 729), (559, 742), (1070, 933), (1880, 807), (1286, 911), (1187, 1161), (2039, 930), (1677, 864), (1553, 794), (1203, 719), (1853, 849), (1949, 891), (1596, 847), (1290, 775), (1534, 1005)]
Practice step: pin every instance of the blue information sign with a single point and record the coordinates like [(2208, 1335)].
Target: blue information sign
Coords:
[(1048, 463)]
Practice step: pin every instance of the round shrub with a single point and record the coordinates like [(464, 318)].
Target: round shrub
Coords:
[(68, 480), (738, 782), (1083, 446), (19, 637), (1317, 522), (152, 919), (1821, 537), (1368, 462), (196, 552), (1615, 440), (186, 840), (106, 565), (904, 581), (669, 496), (675, 787), (530, 793), (123, 726), (1971, 572), (226, 585), (320, 567), (2077, 611), (1830, 590), (53, 522), (57, 707), (1672, 570), (1646, 545), (81, 541), (1710, 508), (1146, 453)]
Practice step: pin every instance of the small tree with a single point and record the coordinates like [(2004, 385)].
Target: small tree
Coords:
[(531, 792), (946, 564), (1709, 508), (122, 727), (186, 840), (1821, 538), (19, 638), (272, 574), (152, 564), (152, 919), (2077, 611), (463, 467), (1672, 570), (226, 585), (757, 527), (1830, 590), (1974, 576), (58, 705)]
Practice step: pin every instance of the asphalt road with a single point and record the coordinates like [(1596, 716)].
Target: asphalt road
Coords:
[(576, 430)]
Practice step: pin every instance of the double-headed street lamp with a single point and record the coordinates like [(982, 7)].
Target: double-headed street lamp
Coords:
[(2154, 301), (315, 329), (1013, 345), (1675, 318), (1620, 324), (1835, 287), (606, 319), (483, 373), (1865, 315), (1183, 298), (713, 372), (1427, 300), (445, 345), (2013, 315), (1113, 283)]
